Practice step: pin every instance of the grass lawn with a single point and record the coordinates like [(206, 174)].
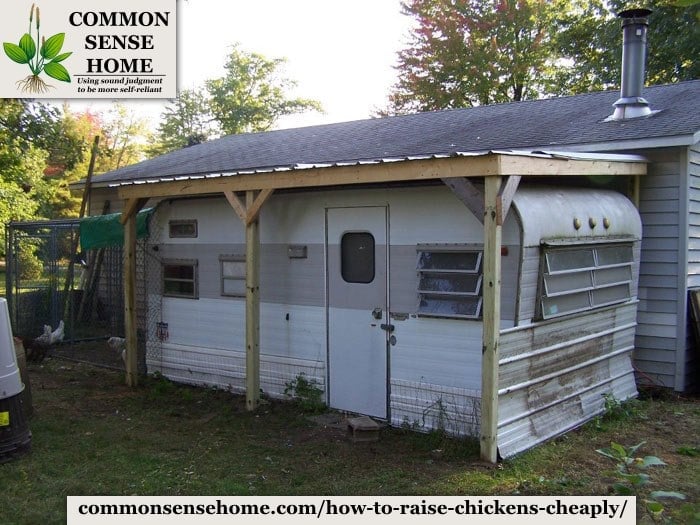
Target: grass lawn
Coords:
[(92, 435)]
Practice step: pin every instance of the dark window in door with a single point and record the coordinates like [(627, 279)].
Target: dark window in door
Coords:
[(357, 257)]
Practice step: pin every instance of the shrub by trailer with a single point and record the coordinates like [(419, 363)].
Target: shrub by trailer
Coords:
[(378, 296)]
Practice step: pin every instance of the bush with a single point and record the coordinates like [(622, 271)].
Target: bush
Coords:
[(307, 393)]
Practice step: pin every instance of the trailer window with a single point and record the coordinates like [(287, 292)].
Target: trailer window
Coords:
[(232, 275), (182, 228), (180, 278), (584, 277), (357, 257), (449, 283)]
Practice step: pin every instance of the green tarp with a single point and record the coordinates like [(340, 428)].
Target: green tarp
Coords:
[(102, 231)]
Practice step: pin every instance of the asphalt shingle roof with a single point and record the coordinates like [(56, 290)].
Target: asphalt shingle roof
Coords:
[(538, 124)]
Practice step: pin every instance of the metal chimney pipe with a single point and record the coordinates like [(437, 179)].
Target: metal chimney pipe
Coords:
[(631, 104)]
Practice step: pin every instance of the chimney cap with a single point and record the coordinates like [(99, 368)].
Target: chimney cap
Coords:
[(638, 13)]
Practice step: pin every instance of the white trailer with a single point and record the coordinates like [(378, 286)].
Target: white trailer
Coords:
[(376, 296)]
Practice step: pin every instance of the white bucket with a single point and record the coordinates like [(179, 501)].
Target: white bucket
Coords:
[(10, 380)]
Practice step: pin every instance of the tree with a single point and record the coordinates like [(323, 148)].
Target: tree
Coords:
[(589, 41), (37, 146), (21, 167), (673, 40), (252, 95), (185, 122), (473, 52), (125, 138)]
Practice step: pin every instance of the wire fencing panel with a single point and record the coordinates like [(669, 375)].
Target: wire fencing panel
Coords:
[(153, 332), (49, 280), (39, 284)]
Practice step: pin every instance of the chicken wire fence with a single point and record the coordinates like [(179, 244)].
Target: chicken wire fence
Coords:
[(49, 280)]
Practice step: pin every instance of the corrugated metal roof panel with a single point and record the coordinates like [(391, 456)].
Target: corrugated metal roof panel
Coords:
[(368, 162), (557, 124)]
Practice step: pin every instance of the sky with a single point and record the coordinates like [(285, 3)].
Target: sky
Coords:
[(340, 53)]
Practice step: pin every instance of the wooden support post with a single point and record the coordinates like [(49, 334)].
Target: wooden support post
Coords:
[(252, 311), (130, 300), (248, 212), (492, 321), (128, 219)]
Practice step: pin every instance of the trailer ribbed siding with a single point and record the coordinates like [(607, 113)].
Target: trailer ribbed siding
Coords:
[(553, 374)]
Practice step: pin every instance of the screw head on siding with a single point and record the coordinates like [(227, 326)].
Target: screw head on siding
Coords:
[(606, 222), (592, 222), (577, 223)]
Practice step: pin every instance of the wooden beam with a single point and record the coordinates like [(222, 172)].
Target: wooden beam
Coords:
[(248, 213), (236, 204), (492, 322), (128, 219), (258, 201), (471, 196), (131, 208), (84, 208), (414, 170), (252, 310), (130, 300), (505, 197)]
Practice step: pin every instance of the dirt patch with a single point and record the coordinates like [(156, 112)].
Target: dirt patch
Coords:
[(93, 352)]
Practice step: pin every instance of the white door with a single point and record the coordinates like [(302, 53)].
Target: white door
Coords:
[(356, 248)]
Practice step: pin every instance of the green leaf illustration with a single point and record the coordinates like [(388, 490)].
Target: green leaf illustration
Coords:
[(15, 53), (28, 46), (57, 71), (62, 57), (52, 46)]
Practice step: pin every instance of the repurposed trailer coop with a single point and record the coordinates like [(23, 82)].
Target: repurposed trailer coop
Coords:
[(492, 298), (376, 296), (389, 283)]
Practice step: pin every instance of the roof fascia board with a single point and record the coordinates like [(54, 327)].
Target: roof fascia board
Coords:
[(409, 170), (661, 142)]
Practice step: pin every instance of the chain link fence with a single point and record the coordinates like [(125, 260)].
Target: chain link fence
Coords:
[(49, 280)]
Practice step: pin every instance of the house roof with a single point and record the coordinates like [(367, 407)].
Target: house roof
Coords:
[(555, 124)]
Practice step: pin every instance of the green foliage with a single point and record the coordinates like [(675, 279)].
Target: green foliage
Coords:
[(47, 60), (691, 452), (614, 410), (633, 479), (30, 265), (125, 136), (185, 122), (252, 95), (307, 394), (589, 43), (463, 53), (160, 386)]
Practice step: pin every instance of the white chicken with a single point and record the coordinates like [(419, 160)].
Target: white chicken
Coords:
[(118, 344), (38, 347)]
